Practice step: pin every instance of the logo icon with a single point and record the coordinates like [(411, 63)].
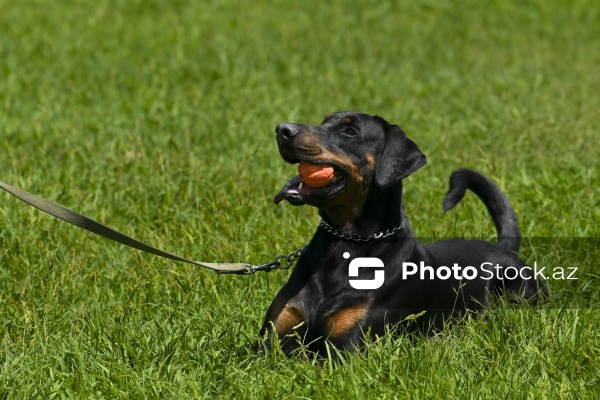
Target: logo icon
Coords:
[(365, 262)]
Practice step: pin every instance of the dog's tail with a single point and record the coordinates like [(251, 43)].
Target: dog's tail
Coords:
[(503, 215)]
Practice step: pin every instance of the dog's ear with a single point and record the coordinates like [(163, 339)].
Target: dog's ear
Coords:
[(399, 158)]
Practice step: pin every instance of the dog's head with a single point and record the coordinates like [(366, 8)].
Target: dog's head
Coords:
[(364, 150)]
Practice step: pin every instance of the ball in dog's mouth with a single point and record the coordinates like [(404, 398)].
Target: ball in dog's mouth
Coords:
[(315, 176), (313, 184)]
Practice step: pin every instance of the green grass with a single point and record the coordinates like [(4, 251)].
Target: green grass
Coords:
[(157, 118)]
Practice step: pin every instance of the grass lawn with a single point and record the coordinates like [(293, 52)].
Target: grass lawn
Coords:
[(157, 118)]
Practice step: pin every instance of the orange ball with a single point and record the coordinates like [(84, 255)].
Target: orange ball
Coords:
[(315, 176)]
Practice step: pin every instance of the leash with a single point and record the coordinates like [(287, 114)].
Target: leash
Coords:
[(74, 218)]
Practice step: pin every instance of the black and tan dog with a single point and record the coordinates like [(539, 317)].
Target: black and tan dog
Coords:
[(363, 216)]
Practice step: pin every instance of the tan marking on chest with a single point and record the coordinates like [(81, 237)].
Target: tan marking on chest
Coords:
[(341, 321), (288, 318)]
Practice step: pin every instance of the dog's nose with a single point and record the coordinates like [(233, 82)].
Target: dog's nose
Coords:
[(287, 130)]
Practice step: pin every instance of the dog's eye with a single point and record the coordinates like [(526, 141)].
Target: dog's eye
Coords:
[(348, 131)]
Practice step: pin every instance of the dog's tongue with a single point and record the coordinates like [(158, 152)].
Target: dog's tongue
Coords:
[(289, 191)]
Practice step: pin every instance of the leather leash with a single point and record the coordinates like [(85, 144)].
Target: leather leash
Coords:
[(74, 218)]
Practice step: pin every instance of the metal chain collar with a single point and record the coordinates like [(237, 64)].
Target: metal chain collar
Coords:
[(286, 262), (358, 238)]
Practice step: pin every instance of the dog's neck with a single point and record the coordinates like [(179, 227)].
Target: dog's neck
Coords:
[(382, 210)]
